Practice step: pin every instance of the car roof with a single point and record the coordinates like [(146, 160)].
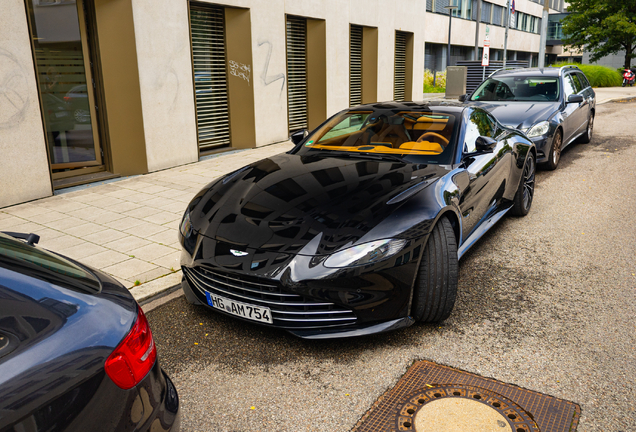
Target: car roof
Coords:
[(546, 71), (444, 106)]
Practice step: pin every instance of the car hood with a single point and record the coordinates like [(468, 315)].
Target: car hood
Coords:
[(282, 203), (519, 115)]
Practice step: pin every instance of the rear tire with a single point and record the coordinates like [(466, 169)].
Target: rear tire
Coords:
[(587, 136), (525, 191), (436, 283), (555, 151)]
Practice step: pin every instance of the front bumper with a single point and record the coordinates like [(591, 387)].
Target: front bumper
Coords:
[(310, 300), (542, 144)]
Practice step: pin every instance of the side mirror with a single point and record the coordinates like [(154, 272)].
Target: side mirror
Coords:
[(463, 98), (298, 136), (575, 98), (484, 144)]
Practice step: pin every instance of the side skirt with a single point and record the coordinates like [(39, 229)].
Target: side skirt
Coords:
[(479, 232)]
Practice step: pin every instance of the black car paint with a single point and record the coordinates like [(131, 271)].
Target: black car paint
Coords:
[(289, 212), (52, 373), (571, 118)]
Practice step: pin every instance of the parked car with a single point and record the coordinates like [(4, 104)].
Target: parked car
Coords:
[(76, 351), (552, 106), (359, 228)]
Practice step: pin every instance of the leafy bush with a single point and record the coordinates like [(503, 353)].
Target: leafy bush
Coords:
[(440, 82), (599, 76)]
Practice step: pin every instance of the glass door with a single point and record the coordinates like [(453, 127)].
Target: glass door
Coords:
[(59, 37)]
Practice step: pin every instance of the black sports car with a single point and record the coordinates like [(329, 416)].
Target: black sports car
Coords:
[(76, 351), (553, 106), (359, 228)]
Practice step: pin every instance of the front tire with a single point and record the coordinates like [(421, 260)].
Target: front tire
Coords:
[(436, 283), (555, 151), (525, 191)]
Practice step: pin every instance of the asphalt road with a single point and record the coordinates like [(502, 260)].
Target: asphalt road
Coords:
[(545, 302)]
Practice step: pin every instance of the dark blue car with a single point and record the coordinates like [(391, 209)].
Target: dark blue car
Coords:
[(76, 351), (553, 106)]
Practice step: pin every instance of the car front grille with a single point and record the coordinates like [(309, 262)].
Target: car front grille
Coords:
[(289, 310)]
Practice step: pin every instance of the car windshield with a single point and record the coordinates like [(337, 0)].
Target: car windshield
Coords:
[(518, 88), (30, 260), (418, 136)]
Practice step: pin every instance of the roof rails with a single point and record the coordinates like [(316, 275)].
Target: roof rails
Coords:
[(567, 67), (505, 68)]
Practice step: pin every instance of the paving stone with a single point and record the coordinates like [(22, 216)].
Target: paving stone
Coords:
[(178, 207), (141, 212), (129, 268), (162, 217), (121, 193), (151, 252), (140, 197), (49, 216), (48, 233), (26, 227), (127, 244), (158, 202), (86, 198), (145, 229), (124, 223), (81, 251), (26, 210), (59, 243), (105, 236), (106, 217), (170, 261), (166, 237), (88, 213), (107, 201), (63, 205), (155, 189), (65, 223), (85, 229), (149, 275), (124, 207), (105, 259)]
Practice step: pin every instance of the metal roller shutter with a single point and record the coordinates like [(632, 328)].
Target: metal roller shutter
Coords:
[(297, 73), (400, 66), (207, 26), (355, 66)]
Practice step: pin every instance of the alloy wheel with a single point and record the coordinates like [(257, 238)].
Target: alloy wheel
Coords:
[(590, 127), (556, 152), (528, 182)]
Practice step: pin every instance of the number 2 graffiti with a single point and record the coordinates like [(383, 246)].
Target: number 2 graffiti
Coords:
[(267, 80)]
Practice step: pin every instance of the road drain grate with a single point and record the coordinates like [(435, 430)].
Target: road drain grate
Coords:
[(431, 397)]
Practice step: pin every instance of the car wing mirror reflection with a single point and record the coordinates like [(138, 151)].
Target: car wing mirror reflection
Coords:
[(298, 136)]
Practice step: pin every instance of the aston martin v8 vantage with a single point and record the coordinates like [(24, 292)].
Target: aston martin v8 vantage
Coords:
[(359, 228)]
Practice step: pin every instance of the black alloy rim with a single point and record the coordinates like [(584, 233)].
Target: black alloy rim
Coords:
[(528, 182), (556, 153)]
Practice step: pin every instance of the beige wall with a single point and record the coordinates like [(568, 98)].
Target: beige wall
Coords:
[(24, 169), (162, 38)]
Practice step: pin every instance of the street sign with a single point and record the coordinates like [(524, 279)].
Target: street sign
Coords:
[(486, 42), (485, 59)]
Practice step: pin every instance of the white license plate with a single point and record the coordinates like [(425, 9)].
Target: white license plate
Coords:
[(255, 313)]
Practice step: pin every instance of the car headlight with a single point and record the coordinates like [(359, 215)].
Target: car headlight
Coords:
[(367, 253), (186, 226), (539, 129)]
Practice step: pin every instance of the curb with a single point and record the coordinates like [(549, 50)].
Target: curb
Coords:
[(156, 288), (618, 99)]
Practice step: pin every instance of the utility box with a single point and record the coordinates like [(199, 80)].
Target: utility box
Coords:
[(456, 81)]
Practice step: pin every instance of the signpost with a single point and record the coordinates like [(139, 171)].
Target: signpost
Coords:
[(485, 58)]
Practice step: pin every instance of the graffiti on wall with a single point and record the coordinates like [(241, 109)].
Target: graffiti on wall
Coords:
[(240, 70), (14, 91), (269, 79)]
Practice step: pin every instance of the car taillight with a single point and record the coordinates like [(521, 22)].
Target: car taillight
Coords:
[(134, 356)]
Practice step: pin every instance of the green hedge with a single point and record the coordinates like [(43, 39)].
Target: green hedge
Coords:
[(599, 76)]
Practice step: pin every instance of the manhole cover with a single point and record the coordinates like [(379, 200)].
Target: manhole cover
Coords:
[(431, 397), (459, 408)]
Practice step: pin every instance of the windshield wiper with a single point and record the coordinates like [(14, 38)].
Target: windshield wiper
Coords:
[(359, 155)]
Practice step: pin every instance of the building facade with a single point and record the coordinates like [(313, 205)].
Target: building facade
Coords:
[(523, 36), (93, 89)]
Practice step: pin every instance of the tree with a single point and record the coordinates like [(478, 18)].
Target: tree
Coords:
[(602, 26)]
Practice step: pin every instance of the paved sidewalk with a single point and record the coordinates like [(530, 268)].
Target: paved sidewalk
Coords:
[(609, 94), (127, 227)]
